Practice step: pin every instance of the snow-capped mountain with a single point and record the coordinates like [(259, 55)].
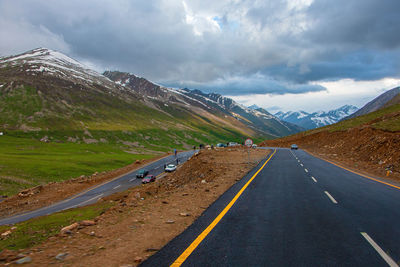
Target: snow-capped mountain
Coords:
[(216, 104), (60, 93), (316, 119), (53, 63)]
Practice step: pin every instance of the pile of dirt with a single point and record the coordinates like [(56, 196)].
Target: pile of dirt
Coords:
[(146, 218), (363, 148), (45, 195)]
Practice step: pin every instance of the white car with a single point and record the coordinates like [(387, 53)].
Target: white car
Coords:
[(170, 168)]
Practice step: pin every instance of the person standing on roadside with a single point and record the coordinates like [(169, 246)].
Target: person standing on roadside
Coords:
[(175, 152)]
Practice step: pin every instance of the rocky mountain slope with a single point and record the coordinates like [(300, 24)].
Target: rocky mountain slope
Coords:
[(386, 99), (259, 120), (316, 119), (44, 93)]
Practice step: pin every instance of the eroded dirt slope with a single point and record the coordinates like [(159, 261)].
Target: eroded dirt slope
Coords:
[(363, 148)]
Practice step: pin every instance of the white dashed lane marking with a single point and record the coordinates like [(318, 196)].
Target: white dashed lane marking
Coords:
[(331, 197)]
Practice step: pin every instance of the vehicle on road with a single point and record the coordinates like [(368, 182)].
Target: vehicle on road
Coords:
[(221, 145), (142, 173), (148, 179), (170, 168), (232, 144), (294, 146), (254, 146)]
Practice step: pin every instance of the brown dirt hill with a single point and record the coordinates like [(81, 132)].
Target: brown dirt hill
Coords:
[(362, 148)]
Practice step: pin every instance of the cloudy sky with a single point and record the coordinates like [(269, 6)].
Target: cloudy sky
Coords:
[(278, 54)]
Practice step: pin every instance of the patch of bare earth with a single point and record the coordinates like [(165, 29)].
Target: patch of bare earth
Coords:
[(146, 218), (364, 149), (45, 195)]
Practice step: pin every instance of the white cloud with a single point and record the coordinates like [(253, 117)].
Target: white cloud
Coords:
[(338, 93), (20, 36)]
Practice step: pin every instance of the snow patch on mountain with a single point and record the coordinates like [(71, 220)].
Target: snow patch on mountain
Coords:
[(316, 119)]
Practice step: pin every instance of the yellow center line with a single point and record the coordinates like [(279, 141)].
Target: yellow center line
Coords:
[(199, 239)]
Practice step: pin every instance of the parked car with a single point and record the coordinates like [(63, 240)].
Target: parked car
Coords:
[(254, 146), (294, 146), (221, 145), (142, 173), (170, 168), (148, 179), (232, 144)]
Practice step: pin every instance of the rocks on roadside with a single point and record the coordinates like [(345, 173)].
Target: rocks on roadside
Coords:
[(8, 255), (69, 228), (203, 181), (24, 260), (87, 223), (61, 256), (138, 259), (170, 222), (5, 234), (184, 214)]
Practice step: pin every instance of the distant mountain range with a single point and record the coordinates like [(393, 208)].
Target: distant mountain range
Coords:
[(316, 119), (386, 99), (44, 92)]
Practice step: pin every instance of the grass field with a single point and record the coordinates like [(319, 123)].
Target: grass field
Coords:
[(26, 162)]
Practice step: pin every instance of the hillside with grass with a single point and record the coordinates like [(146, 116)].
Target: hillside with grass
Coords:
[(60, 120)]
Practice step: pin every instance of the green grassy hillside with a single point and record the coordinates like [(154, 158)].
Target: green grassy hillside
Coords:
[(84, 131)]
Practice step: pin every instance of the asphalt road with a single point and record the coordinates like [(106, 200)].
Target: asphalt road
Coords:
[(94, 194), (298, 211)]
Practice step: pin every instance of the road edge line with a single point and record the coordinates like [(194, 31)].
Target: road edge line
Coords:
[(181, 259), (363, 175)]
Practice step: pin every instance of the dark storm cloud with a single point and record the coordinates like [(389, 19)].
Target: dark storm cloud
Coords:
[(247, 47), (362, 23), (255, 84)]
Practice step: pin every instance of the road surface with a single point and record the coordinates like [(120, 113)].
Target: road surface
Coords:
[(94, 194), (297, 211)]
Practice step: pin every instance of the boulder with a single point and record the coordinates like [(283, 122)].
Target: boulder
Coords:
[(87, 223), (61, 256), (24, 260), (69, 228)]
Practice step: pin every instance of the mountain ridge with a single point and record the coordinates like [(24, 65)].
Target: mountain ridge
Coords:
[(45, 93), (316, 119), (383, 100)]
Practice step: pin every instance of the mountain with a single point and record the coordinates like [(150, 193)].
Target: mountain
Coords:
[(386, 99), (44, 93), (370, 142), (259, 120), (253, 107), (316, 119)]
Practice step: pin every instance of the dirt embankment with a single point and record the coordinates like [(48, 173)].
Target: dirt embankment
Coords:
[(45, 195), (364, 149), (147, 217)]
